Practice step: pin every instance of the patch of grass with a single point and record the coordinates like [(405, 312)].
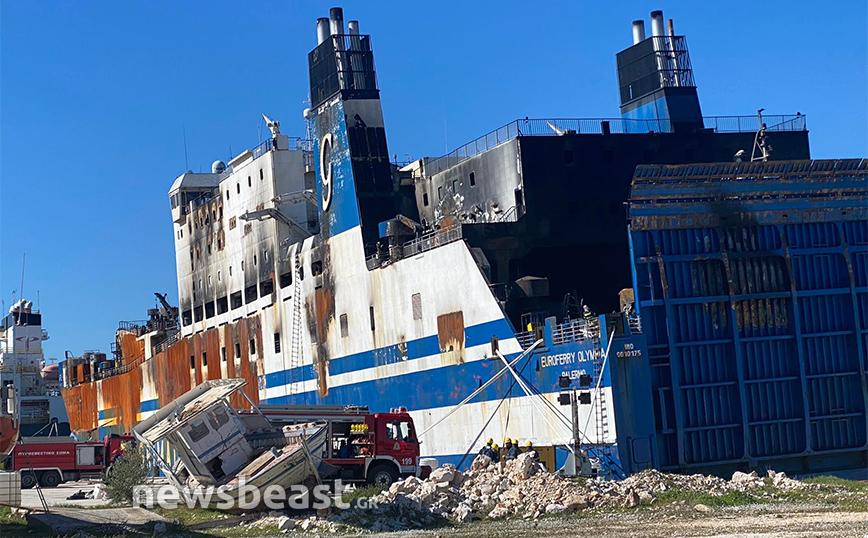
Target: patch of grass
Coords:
[(361, 493), (730, 498), (190, 516), (7, 517), (835, 482)]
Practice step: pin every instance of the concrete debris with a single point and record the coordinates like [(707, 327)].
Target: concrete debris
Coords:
[(285, 524), (525, 489)]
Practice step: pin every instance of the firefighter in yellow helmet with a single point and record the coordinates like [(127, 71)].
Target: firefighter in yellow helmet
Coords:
[(487, 450), (512, 450), (496, 450), (530, 449)]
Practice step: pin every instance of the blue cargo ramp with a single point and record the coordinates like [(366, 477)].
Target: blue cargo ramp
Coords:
[(751, 280)]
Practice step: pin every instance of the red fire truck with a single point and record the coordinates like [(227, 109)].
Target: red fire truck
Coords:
[(53, 460), (378, 448)]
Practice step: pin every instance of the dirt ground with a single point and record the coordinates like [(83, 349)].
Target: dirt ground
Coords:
[(752, 521)]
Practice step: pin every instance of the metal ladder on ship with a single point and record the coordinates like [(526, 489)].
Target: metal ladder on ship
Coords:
[(601, 414), (295, 344)]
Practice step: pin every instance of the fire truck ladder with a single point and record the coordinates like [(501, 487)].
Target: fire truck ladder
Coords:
[(295, 344)]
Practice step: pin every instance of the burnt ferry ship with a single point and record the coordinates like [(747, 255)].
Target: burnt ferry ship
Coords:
[(463, 287)]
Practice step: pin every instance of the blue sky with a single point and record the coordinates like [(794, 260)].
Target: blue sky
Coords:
[(95, 98)]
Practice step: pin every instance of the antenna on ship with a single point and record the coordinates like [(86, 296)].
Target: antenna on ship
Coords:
[(761, 148), (23, 265), (186, 165)]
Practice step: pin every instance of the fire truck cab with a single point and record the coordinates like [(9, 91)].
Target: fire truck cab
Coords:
[(378, 448)]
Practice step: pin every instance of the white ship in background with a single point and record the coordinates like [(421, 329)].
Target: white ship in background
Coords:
[(22, 364)]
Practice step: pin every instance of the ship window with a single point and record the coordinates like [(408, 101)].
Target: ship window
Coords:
[(249, 183), (209, 281), (192, 362), (204, 358), (254, 259), (242, 266), (252, 346), (218, 276), (198, 431), (373, 327), (440, 192), (345, 326), (187, 317), (285, 279), (261, 175), (472, 179), (425, 199), (227, 194), (417, 305), (238, 188), (265, 255), (277, 342), (250, 294), (223, 353), (209, 310), (568, 157), (222, 305), (316, 268), (218, 418), (230, 270), (454, 185), (237, 349), (266, 287), (236, 300)]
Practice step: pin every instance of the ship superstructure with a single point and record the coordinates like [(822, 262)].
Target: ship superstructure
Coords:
[(22, 365), (322, 273)]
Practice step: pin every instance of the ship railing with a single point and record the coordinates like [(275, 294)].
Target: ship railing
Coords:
[(424, 243), (525, 339), (634, 322), (433, 240), (576, 330), (295, 142), (568, 126), (742, 124), (164, 345), (118, 370)]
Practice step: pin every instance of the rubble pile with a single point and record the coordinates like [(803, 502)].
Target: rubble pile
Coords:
[(523, 488)]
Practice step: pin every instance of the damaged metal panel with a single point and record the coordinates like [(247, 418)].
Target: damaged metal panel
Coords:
[(450, 335)]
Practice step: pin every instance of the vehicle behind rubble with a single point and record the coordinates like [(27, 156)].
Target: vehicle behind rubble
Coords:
[(221, 450), (377, 448)]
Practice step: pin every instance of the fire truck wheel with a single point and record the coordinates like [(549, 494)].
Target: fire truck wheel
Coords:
[(27, 480), (49, 479), (382, 474)]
